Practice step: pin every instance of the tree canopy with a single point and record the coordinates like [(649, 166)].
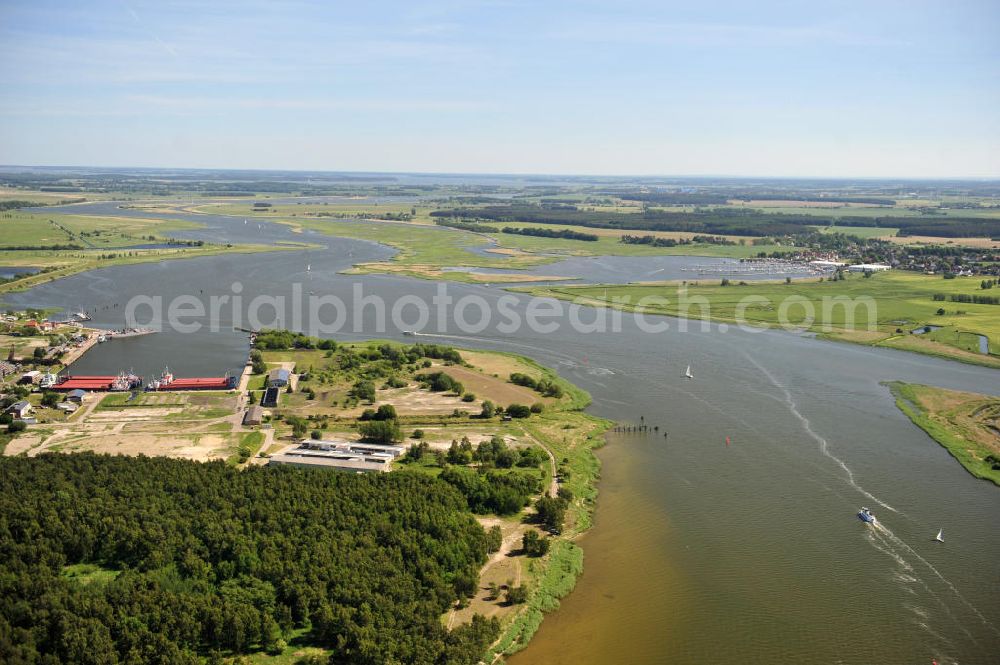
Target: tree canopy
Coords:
[(193, 558)]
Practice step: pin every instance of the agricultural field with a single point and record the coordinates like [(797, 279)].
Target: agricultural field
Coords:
[(38, 197), (903, 208), (891, 234)]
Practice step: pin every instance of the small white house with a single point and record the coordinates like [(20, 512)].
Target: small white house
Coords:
[(20, 410)]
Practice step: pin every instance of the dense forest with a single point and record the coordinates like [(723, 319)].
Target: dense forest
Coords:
[(190, 562)]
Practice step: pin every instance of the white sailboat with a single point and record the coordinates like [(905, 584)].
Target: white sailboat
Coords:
[(308, 267), (939, 536), (688, 374), (244, 220)]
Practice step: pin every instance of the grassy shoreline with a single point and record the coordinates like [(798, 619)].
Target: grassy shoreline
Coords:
[(963, 423), (556, 574), (564, 564)]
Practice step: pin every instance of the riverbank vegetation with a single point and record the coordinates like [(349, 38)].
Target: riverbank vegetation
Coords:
[(966, 424)]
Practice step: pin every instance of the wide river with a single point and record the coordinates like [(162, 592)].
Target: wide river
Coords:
[(702, 552)]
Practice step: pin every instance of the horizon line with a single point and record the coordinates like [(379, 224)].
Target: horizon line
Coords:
[(501, 174)]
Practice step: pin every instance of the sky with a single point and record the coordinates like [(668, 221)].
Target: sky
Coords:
[(854, 88)]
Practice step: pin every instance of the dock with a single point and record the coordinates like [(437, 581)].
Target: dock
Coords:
[(199, 383)]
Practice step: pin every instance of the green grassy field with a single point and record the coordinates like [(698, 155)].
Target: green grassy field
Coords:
[(296, 651), (19, 229), (860, 231), (89, 573), (902, 302), (964, 423), (194, 405)]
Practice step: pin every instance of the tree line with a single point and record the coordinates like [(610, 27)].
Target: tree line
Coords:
[(565, 234)]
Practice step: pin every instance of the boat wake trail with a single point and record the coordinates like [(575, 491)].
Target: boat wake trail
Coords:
[(824, 445), (894, 541), (881, 539)]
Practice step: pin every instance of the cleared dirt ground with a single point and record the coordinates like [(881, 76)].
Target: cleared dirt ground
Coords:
[(195, 426)]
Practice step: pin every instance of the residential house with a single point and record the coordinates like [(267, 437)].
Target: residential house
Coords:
[(20, 410)]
